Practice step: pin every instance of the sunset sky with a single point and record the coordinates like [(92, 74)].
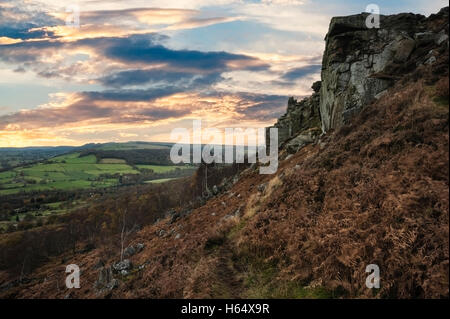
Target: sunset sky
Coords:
[(134, 70)]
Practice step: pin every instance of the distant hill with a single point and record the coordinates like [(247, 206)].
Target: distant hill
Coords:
[(16, 156)]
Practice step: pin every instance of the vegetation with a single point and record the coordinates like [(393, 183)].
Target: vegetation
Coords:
[(74, 171)]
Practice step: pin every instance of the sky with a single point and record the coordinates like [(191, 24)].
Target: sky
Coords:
[(135, 70)]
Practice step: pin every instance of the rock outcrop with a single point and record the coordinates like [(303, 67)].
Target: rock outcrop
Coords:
[(300, 117), (359, 63)]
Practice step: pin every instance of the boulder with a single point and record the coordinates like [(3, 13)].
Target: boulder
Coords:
[(300, 116), (174, 218), (132, 250), (122, 265), (129, 251), (298, 142), (262, 187), (139, 247), (105, 281), (360, 64), (316, 86)]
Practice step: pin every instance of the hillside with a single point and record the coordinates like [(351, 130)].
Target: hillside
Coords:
[(363, 179), (91, 166)]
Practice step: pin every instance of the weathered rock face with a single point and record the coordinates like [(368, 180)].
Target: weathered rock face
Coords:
[(359, 63), (300, 116)]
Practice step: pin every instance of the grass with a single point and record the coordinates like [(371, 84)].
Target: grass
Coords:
[(160, 169), (66, 172), (262, 282), (71, 172), (112, 161), (131, 146), (159, 181)]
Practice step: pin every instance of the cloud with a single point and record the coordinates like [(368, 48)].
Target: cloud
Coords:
[(51, 59), (88, 111), (102, 109), (135, 95), (142, 48), (261, 106), (160, 76), (300, 72), (18, 18)]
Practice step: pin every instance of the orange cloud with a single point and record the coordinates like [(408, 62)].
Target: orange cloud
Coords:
[(74, 123)]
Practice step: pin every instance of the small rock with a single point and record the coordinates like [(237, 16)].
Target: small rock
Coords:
[(298, 142), (226, 217), (178, 236), (129, 251), (431, 60), (162, 233), (441, 39), (316, 86), (262, 187), (139, 247), (106, 281), (425, 37), (174, 218), (122, 265)]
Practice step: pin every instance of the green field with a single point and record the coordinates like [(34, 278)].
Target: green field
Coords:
[(132, 146), (159, 181), (70, 172), (160, 169)]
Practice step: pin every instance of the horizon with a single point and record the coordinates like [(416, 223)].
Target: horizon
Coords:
[(137, 70)]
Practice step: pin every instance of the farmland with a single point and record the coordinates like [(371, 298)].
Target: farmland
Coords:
[(72, 171)]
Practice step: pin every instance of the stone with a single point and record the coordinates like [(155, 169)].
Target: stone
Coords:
[(403, 49), (423, 38), (129, 251), (430, 60), (122, 265), (105, 281), (360, 64), (316, 86), (139, 247), (174, 218), (262, 187), (441, 38), (299, 142), (162, 233)]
